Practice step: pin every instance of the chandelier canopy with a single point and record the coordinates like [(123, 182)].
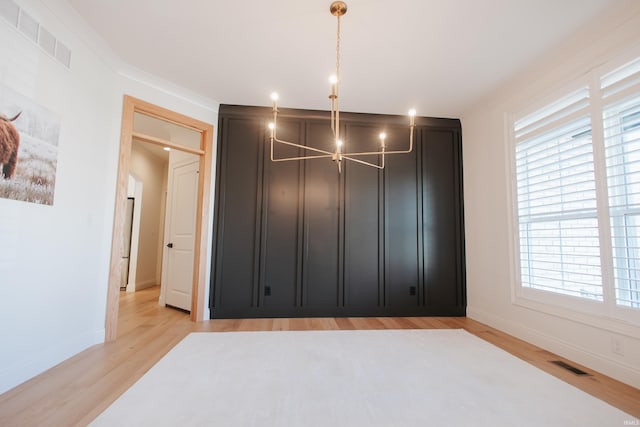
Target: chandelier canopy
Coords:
[(337, 9)]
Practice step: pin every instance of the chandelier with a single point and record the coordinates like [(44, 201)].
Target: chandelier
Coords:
[(337, 9)]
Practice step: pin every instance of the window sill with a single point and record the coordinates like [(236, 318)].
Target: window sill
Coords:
[(592, 313)]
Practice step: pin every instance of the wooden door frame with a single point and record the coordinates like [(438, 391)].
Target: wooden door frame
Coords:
[(130, 106)]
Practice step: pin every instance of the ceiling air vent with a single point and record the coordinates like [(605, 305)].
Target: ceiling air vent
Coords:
[(31, 29)]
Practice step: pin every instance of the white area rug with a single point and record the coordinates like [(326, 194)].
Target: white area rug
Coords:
[(351, 378)]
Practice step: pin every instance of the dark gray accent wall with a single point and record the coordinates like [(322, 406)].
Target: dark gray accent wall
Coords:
[(298, 239)]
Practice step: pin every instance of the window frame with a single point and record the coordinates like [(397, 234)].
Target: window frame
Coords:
[(607, 313)]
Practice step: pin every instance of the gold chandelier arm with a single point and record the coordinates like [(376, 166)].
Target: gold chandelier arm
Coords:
[(381, 166), (324, 156), (375, 153), (304, 147)]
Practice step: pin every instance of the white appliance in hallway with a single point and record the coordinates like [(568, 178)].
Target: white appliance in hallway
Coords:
[(126, 243)]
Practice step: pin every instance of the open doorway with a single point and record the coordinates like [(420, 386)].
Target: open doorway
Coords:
[(162, 201), (144, 217), (194, 157)]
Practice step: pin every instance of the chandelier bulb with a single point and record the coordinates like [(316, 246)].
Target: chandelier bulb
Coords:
[(333, 79), (412, 117), (383, 136), (272, 126), (275, 96), (338, 143)]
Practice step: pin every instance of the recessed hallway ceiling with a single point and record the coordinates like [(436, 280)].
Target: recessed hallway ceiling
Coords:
[(439, 56)]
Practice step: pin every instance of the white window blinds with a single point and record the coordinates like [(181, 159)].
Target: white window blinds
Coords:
[(621, 119), (556, 196)]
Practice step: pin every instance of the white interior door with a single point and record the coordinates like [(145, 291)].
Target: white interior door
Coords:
[(180, 236)]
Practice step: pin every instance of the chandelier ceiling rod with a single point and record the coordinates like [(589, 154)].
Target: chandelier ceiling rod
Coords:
[(337, 9)]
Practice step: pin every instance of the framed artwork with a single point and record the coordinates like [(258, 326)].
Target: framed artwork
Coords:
[(29, 136)]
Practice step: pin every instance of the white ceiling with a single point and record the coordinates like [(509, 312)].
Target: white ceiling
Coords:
[(439, 56)]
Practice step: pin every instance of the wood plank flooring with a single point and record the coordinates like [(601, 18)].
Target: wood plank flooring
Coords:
[(80, 388)]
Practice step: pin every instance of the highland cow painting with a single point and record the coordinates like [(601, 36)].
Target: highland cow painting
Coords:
[(29, 135)]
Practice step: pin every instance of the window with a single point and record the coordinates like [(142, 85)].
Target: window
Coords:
[(621, 122), (557, 211), (577, 181)]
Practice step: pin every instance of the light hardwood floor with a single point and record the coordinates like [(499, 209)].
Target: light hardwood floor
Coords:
[(77, 390)]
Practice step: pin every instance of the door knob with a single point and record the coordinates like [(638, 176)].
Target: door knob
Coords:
[(169, 245)]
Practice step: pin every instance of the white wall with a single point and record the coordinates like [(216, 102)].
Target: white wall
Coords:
[(54, 260), (488, 210), (151, 170)]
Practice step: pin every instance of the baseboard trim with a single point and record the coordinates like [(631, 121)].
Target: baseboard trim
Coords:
[(613, 368), (146, 284)]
